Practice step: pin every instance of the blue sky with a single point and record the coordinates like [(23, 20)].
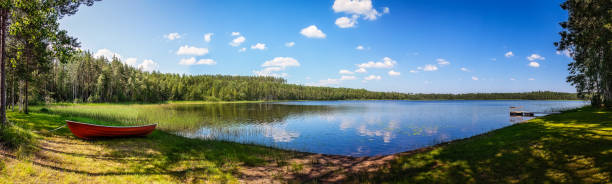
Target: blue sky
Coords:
[(406, 46)]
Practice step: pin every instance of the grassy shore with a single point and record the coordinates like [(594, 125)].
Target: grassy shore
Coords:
[(572, 147), (59, 157)]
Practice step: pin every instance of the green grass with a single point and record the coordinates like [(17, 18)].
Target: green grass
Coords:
[(160, 157), (572, 147), (179, 116)]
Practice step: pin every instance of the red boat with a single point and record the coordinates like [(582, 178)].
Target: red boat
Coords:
[(89, 131)]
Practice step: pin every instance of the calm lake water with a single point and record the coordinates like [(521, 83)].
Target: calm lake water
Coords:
[(356, 128)]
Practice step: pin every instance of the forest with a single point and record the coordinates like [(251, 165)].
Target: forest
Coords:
[(84, 78)]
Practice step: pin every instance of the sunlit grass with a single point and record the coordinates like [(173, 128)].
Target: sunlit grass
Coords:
[(572, 147), (177, 116), (160, 157)]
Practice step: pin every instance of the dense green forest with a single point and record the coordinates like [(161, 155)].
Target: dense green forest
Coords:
[(84, 78), (587, 38)]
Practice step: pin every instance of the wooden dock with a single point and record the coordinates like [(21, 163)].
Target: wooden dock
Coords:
[(521, 113)]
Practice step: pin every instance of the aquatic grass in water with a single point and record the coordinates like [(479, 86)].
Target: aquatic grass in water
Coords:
[(356, 128)]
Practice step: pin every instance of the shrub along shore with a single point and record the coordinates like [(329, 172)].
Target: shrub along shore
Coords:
[(572, 147)]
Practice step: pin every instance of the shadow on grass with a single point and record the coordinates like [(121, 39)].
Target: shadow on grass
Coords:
[(573, 147), (158, 154)]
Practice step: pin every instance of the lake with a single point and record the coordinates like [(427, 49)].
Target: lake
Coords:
[(355, 128)]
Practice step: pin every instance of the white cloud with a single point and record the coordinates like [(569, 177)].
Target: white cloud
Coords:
[(358, 7), (464, 69), (330, 81), (327, 82), (108, 54), (131, 61), (386, 63), (565, 53), (206, 62), (534, 64), (282, 62), (289, 44), (172, 36), (493, 59), (373, 77), (429, 68), (345, 72), (509, 54), (235, 33), (359, 47), (346, 22), (269, 71), (192, 61), (243, 49), (190, 50), (208, 36), (361, 70), (348, 77), (237, 41), (531, 79), (312, 32), (148, 65), (187, 61), (512, 79), (442, 62), (393, 73), (534, 57), (259, 46), (413, 71), (474, 78)]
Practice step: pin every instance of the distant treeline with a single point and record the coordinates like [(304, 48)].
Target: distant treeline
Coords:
[(88, 79)]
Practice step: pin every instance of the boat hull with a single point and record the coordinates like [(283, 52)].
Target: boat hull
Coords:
[(89, 131)]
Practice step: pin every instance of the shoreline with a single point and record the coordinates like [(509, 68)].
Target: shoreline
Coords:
[(273, 101), (254, 163)]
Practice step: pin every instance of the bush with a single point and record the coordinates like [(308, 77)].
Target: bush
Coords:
[(15, 137), (44, 110)]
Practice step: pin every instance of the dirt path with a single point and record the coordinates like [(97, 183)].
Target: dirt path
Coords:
[(63, 157), (319, 168)]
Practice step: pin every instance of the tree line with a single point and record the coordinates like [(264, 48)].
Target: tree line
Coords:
[(30, 40), (84, 78)]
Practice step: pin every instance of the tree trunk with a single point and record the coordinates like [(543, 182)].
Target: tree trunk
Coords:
[(3, 18), (25, 92), (25, 98), (607, 96), (13, 86)]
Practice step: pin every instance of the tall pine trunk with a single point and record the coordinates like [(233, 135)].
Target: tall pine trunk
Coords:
[(25, 91), (3, 19)]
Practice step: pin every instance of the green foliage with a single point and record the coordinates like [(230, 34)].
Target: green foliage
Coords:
[(587, 37), (16, 138), (88, 79)]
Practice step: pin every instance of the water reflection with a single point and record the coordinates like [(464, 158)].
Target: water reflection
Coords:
[(355, 128)]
